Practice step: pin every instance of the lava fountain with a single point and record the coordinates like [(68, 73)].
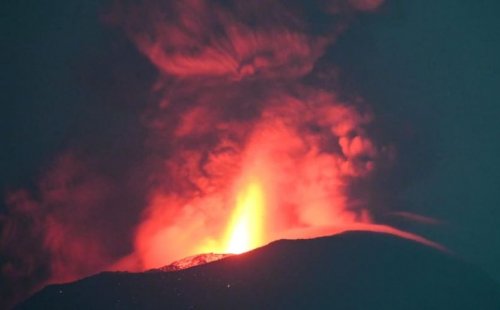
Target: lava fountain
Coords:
[(252, 138), (245, 230)]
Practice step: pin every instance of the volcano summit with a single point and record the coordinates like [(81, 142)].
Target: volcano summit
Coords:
[(353, 270)]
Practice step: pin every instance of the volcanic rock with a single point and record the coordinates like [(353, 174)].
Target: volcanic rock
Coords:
[(353, 270), (192, 261)]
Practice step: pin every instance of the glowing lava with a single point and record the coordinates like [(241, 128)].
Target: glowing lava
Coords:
[(245, 230)]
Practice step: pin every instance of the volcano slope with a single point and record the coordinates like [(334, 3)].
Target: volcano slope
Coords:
[(353, 270)]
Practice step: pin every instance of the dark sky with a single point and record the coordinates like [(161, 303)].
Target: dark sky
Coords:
[(429, 67), (433, 65)]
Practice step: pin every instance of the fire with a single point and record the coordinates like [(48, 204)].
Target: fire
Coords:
[(246, 152), (245, 230)]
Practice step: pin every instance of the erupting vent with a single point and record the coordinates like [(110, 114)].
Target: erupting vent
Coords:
[(246, 226)]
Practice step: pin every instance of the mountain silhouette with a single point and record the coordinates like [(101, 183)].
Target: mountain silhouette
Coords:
[(352, 270)]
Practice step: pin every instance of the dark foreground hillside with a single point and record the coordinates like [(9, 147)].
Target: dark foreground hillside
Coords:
[(354, 270)]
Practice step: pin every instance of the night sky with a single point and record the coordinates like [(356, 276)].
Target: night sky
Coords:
[(433, 66), (429, 69)]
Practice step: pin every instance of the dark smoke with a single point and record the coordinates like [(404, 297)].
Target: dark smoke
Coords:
[(233, 94)]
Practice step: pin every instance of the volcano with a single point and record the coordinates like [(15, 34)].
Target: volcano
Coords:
[(352, 270)]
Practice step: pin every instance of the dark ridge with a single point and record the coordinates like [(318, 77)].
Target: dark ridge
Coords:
[(354, 270)]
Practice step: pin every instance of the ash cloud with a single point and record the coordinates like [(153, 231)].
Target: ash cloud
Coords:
[(236, 39), (77, 221), (234, 107), (57, 232), (231, 104)]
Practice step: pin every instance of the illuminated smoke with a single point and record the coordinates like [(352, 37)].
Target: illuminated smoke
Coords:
[(235, 105), (233, 109), (57, 232)]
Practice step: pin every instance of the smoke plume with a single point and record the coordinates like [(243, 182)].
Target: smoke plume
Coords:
[(234, 103), (234, 108)]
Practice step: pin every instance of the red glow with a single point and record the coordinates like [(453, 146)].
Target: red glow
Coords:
[(240, 151), (245, 229), (252, 159), (278, 180)]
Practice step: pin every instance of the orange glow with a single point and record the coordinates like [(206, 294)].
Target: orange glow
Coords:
[(254, 154), (245, 230)]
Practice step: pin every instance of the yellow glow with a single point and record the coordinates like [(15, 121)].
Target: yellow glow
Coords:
[(245, 230)]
